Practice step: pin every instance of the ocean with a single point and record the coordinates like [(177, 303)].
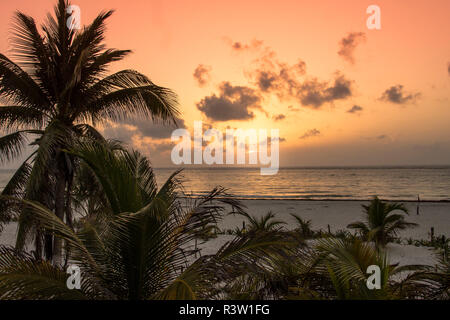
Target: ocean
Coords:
[(356, 183)]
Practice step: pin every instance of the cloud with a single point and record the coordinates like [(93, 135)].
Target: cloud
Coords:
[(285, 81), (348, 44), (161, 147), (202, 75), (280, 78), (288, 82), (155, 130), (448, 68), (239, 46), (268, 73), (315, 93), (381, 137), (232, 103), (127, 130), (395, 94), (355, 109), (121, 132), (279, 117), (310, 133)]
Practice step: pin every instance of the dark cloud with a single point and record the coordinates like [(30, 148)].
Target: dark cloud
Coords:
[(383, 137), (119, 132), (202, 75), (396, 94), (310, 133), (266, 80), (232, 103), (239, 46), (124, 131), (448, 68), (270, 76), (269, 141), (279, 117), (285, 80), (315, 93), (156, 130), (268, 73), (355, 109), (277, 77), (348, 44)]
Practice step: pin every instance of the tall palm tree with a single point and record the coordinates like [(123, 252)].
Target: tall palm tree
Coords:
[(142, 248), (55, 91), (381, 224)]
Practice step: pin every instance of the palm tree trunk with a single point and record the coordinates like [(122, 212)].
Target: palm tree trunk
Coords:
[(69, 217), (38, 245), (48, 246), (60, 194)]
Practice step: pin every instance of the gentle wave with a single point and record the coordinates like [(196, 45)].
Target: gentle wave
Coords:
[(396, 183)]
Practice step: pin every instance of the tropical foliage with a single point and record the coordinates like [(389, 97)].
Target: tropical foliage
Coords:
[(55, 90), (136, 241), (133, 239), (139, 245), (382, 222), (266, 222)]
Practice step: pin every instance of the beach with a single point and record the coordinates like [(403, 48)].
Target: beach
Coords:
[(335, 213), (338, 214)]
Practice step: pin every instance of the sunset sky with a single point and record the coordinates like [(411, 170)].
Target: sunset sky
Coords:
[(339, 93)]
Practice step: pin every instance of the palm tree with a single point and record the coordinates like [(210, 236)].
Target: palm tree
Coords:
[(332, 268), (266, 222), (335, 268), (141, 245), (381, 225), (304, 226), (55, 92)]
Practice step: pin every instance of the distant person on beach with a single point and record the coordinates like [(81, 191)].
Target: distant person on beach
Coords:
[(418, 204)]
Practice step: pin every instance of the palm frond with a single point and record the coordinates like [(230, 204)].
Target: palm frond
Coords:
[(129, 94), (23, 277), (19, 87)]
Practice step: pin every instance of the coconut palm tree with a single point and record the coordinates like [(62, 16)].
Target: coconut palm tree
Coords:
[(55, 91), (303, 226), (266, 222), (141, 245), (332, 268), (381, 224), (335, 268)]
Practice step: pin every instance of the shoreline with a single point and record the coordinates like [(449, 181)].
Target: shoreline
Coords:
[(333, 214), (323, 199)]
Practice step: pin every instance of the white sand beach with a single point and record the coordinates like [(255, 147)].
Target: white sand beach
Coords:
[(337, 214)]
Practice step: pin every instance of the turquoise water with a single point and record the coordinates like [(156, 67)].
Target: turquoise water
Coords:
[(431, 183)]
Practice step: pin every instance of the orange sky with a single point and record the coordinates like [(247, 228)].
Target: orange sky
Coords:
[(170, 39)]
